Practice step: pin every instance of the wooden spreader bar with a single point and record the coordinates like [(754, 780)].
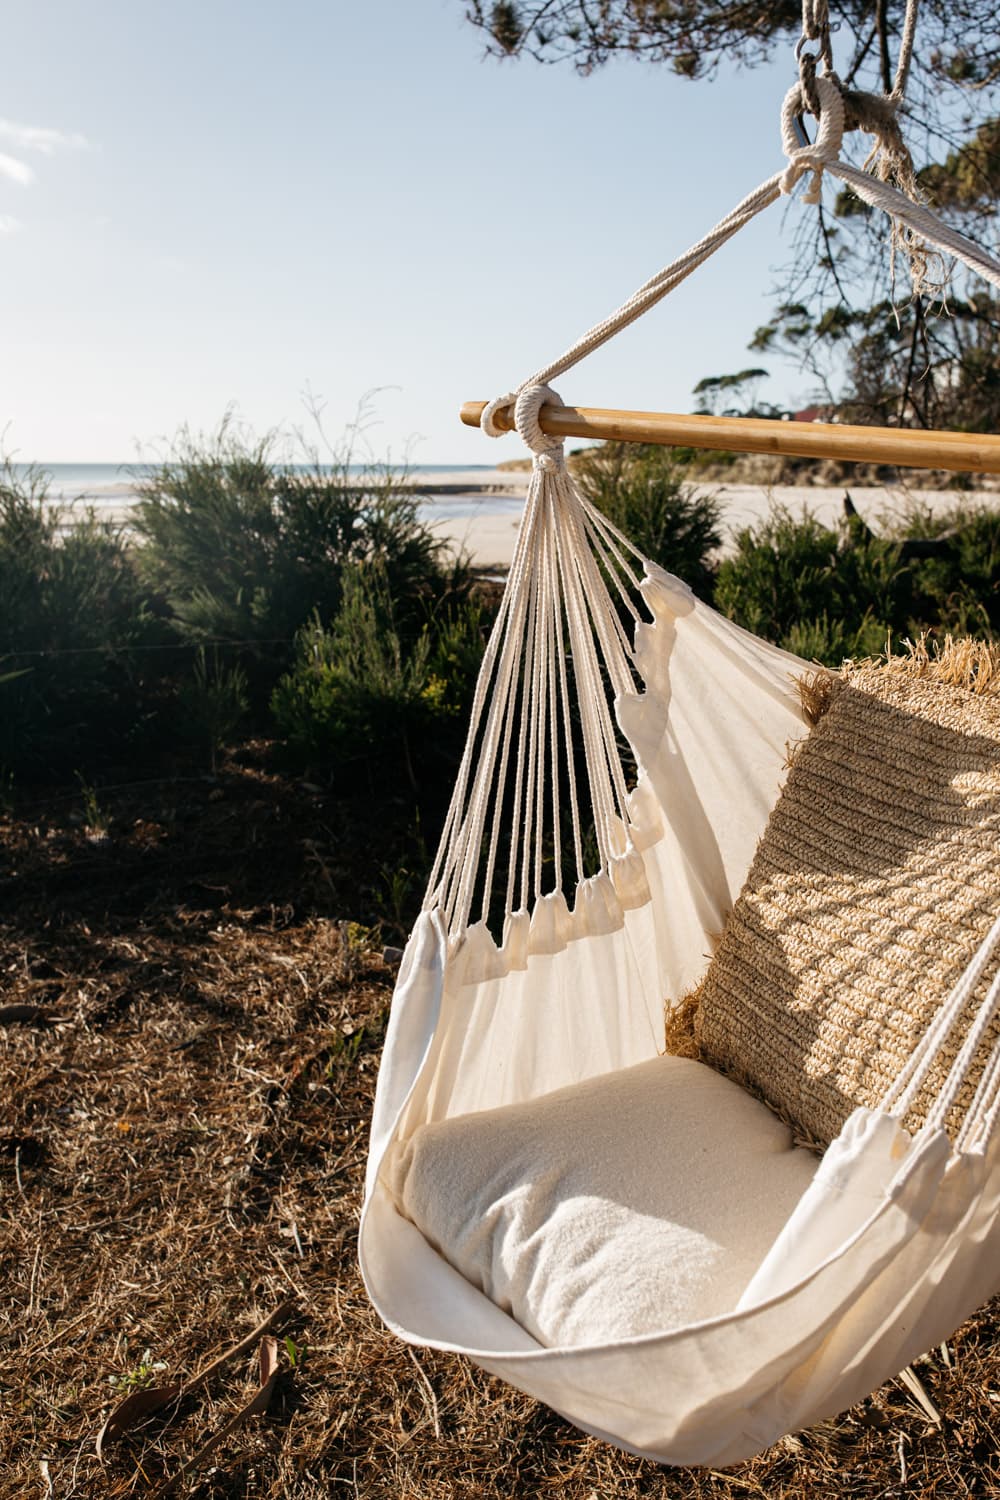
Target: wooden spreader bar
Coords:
[(911, 448)]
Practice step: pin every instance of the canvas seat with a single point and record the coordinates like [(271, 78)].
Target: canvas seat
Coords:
[(631, 1238), (891, 1243), (656, 1196)]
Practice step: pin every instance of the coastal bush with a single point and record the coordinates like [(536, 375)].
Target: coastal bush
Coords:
[(641, 489), (363, 699), (213, 702), (72, 614), (827, 593), (956, 584), (245, 547), (782, 571), (833, 641)]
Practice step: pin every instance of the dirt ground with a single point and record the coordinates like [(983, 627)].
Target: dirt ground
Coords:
[(185, 1088)]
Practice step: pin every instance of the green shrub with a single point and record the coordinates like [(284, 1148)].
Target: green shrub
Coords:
[(819, 592), (245, 549), (826, 594), (782, 571), (72, 610), (958, 588), (362, 699), (641, 489), (213, 702), (833, 641)]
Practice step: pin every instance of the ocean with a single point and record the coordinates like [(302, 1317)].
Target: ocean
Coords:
[(452, 492)]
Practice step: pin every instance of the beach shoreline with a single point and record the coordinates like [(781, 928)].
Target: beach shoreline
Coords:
[(487, 533), (476, 511)]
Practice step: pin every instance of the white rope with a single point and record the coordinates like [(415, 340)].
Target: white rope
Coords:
[(557, 601), (557, 611), (822, 153), (920, 219), (550, 576), (820, 156), (952, 1087), (977, 1120), (900, 1096)]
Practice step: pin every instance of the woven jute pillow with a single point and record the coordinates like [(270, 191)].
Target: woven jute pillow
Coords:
[(876, 879)]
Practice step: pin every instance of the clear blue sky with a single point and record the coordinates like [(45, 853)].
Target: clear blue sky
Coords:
[(216, 202)]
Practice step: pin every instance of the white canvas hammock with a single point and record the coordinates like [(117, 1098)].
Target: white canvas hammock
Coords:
[(819, 1290)]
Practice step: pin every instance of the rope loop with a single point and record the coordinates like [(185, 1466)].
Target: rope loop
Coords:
[(548, 450), (822, 152), (498, 404)]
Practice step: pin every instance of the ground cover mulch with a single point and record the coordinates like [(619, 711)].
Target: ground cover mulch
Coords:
[(192, 1002)]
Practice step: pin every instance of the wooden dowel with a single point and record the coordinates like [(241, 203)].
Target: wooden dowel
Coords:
[(959, 452)]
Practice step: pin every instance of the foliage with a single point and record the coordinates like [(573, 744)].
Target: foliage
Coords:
[(142, 1375), (213, 701), (178, 631), (783, 571), (901, 366), (957, 42), (95, 820), (969, 176), (955, 588), (245, 547), (826, 594), (360, 699), (739, 390), (72, 610), (641, 489)]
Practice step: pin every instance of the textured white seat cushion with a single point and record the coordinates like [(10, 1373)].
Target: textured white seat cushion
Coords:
[(633, 1203)]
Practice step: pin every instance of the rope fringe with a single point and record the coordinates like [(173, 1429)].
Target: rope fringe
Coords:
[(542, 719)]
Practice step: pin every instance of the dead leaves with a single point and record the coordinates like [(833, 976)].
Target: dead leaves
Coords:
[(139, 1406), (133, 1411)]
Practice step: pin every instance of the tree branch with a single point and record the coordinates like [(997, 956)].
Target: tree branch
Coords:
[(881, 27)]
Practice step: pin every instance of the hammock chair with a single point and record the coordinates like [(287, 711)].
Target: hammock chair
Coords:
[(647, 1242)]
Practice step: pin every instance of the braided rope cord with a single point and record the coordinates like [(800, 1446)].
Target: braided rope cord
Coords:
[(559, 654)]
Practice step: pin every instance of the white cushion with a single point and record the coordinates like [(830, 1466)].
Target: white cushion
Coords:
[(632, 1203)]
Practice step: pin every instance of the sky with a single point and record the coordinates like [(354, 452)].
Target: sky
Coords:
[(267, 204)]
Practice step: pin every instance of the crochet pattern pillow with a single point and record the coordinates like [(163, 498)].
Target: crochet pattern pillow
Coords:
[(877, 878)]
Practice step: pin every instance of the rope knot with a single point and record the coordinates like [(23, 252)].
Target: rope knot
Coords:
[(522, 408), (548, 450), (824, 149)]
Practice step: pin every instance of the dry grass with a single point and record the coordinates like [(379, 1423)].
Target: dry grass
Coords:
[(960, 661), (181, 1153)]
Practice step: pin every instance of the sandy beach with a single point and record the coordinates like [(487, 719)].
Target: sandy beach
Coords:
[(485, 525), (478, 510)]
